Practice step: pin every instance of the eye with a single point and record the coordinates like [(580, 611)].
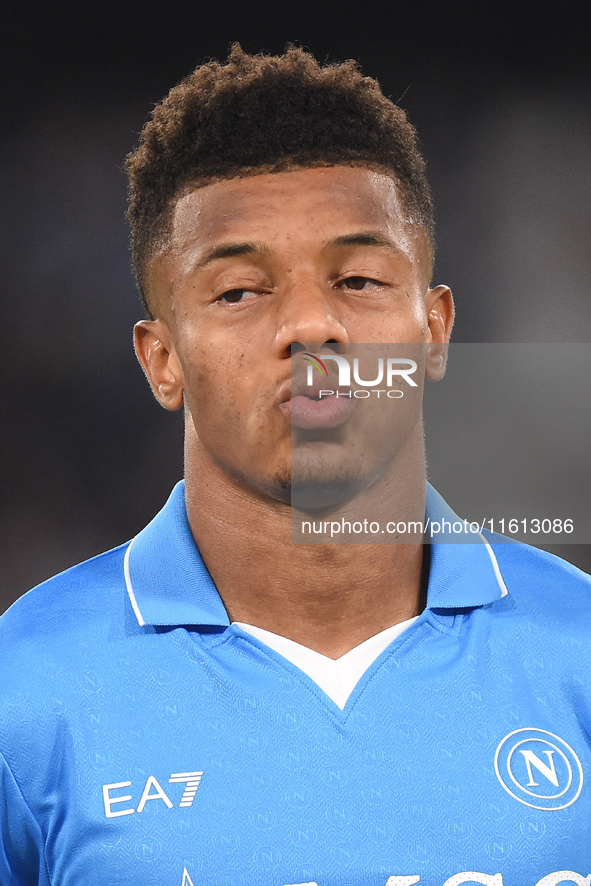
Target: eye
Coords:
[(235, 296), (359, 283)]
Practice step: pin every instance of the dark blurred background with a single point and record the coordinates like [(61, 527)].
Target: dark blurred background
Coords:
[(499, 91)]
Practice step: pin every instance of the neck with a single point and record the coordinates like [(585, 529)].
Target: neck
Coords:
[(328, 597)]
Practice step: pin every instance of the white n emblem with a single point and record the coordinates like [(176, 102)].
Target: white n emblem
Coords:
[(548, 772), (186, 878), (528, 756)]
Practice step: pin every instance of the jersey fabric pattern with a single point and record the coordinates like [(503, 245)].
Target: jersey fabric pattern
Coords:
[(145, 741)]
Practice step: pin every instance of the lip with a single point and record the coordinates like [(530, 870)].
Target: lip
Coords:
[(309, 414)]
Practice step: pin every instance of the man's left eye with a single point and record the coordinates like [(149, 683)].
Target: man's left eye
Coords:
[(359, 283)]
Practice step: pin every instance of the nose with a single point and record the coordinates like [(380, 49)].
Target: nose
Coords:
[(308, 314)]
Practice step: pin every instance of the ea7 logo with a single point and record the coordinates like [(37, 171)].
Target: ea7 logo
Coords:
[(153, 790), (539, 769)]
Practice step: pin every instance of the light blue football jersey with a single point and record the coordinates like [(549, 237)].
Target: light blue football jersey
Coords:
[(145, 741)]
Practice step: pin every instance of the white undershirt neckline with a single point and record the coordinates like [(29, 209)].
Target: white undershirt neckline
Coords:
[(336, 677)]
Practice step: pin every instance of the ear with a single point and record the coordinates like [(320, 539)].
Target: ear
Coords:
[(158, 358), (440, 309)]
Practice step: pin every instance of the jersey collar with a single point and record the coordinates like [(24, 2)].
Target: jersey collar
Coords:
[(168, 583), (464, 570)]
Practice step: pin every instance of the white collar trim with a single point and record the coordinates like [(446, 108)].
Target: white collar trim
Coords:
[(336, 677)]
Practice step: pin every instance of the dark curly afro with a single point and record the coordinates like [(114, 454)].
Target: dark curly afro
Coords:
[(259, 113)]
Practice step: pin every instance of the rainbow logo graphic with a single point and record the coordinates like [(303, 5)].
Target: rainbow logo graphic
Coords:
[(316, 362)]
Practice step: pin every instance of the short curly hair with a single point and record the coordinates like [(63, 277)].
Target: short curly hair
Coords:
[(261, 113)]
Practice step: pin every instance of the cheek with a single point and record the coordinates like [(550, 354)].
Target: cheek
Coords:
[(224, 394), (416, 321), (213, 392), (404, 322)]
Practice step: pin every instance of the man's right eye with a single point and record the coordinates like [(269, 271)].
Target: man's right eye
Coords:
[(233, 296)]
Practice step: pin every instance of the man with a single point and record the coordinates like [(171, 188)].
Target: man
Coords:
[(212, 704)]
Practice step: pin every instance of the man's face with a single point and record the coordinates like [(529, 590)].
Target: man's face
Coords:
[(258, 264)]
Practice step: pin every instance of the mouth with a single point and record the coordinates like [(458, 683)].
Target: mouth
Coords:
[(316, 407)]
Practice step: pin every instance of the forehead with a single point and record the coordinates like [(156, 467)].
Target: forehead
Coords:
[(311, 205), (292, 215)]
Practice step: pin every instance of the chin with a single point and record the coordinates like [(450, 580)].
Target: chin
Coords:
[(277, 488), (315, 492), (320, 491)]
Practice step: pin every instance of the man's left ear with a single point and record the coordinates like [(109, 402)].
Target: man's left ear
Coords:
[(440, 309)]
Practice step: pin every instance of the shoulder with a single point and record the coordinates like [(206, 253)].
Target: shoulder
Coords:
[(52, 615), (61, 642), (544, 585)]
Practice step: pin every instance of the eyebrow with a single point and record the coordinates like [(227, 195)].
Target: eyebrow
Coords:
[(363, 238), (229, 250)]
